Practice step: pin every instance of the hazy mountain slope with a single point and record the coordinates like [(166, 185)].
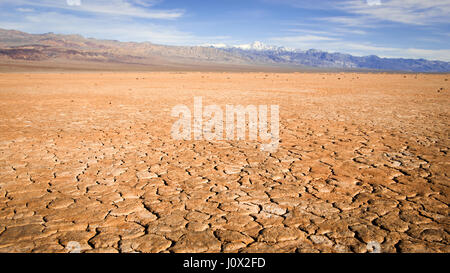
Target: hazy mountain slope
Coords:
[(36, 47), (315, 58)]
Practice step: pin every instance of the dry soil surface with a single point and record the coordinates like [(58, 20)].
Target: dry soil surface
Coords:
[(89, 158)]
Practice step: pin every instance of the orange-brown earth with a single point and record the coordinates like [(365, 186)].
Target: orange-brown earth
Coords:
[(89, 158)]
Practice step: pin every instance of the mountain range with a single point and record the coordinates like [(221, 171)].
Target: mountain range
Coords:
[(261, 53), (20, 47)]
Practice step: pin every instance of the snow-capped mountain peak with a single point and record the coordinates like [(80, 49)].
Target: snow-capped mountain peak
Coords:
[(256, 46), (220, 45)]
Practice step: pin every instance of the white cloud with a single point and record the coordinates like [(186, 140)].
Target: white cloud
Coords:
[(24, 10), (332, 31), (146, 3), (302, 38), (121, 7), (134, 8), (373, 2), (73, 2), (415, 12)]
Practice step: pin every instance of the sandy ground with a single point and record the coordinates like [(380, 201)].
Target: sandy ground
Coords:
[(88, 158)]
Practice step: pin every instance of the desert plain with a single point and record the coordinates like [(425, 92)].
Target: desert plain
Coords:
[(88, 157)]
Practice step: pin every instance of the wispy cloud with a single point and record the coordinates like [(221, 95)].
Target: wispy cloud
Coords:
[(415, 12), (302, 39), (306, 4), (339, 31), (73, 2), (137, 9), (24, 10), (351, 21)]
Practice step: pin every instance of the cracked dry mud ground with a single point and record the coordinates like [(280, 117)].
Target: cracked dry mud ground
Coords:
[(88, 157)]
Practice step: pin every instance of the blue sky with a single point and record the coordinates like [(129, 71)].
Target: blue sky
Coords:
[(388, 28)]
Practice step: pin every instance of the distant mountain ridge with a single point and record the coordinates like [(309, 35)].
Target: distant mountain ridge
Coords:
[(17, 45), (262, 53)]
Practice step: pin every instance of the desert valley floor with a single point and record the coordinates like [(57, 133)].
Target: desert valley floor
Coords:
[(89, 158)]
